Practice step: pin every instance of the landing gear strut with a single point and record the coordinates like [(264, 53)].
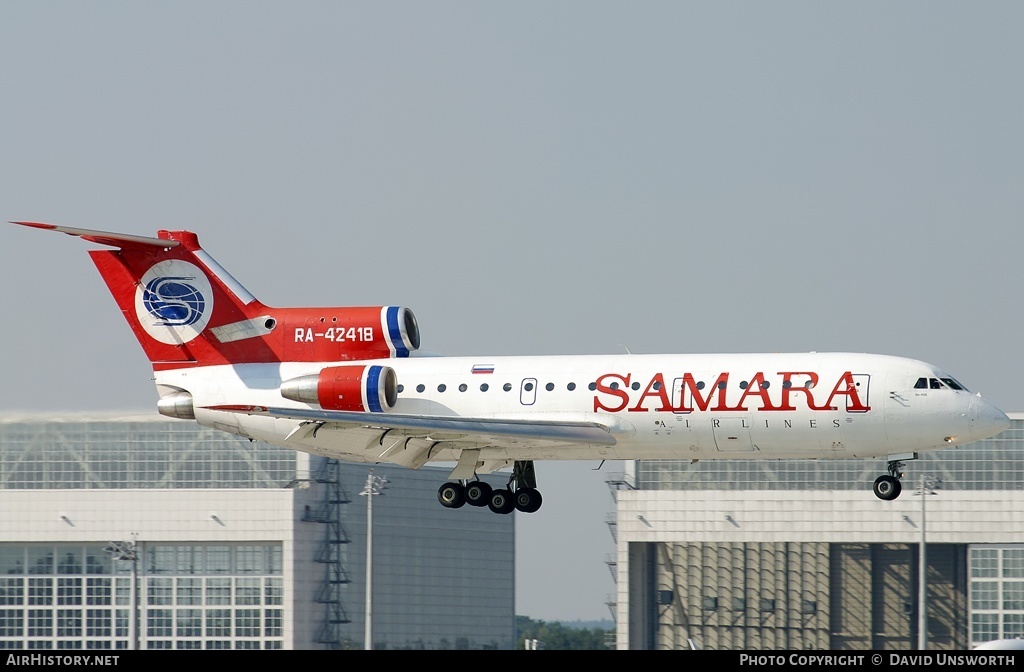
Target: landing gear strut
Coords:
[(888, 487), (521, 494)]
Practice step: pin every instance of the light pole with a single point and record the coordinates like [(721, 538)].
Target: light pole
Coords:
[(925, 489), (373, 486), (128, 550)]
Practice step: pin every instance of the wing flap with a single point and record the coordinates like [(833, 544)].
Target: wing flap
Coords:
[(592, 433)]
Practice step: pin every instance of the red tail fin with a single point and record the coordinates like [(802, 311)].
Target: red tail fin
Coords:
[(186, 310)]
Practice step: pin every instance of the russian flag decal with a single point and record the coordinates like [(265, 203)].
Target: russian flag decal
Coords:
[(483, 368)]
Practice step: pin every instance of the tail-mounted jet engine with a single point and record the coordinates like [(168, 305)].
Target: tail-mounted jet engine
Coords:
[(345, 334), (346, 388)]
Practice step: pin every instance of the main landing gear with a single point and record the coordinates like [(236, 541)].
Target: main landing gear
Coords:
[(888, 487), (520, 495)]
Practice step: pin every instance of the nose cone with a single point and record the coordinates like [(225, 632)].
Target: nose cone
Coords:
[(986, 419)]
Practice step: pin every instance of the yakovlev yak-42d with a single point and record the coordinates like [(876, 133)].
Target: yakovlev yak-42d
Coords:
[(346, 383)]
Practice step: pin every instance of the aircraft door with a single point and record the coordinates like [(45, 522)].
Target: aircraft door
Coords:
[(678, 392), (861, 382), (528, 391), (732, 434)]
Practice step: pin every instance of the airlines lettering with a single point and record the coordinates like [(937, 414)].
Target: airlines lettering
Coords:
[(336, 334), (614, 392)]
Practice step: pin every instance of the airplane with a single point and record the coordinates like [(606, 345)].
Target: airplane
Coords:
[(349, 383)]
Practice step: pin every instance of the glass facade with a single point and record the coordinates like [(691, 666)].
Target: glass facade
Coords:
[(188, 596), (422, 551), (996, 592), (159, 453)]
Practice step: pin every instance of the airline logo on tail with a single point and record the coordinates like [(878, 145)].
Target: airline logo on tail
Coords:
[(174, 301), (187, 310)]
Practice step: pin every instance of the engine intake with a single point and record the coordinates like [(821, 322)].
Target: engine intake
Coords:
[(370, 388), (403, 332)]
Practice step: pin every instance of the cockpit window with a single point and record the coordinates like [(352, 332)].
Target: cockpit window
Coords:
[(938, 384), (954, 384)]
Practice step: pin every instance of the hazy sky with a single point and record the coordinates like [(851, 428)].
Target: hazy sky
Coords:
[(529, 178)]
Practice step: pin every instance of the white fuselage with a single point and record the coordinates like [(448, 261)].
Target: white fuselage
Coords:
[(772, 406)]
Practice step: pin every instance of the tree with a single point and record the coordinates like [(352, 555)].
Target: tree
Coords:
[(557, 637)]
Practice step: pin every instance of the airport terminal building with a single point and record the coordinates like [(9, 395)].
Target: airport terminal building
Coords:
[(222, 543), (792, 555)]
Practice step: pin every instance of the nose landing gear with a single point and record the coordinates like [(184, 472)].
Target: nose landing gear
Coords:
[(888, 487)]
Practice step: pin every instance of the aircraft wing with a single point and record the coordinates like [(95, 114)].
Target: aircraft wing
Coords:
[(479, 429)]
